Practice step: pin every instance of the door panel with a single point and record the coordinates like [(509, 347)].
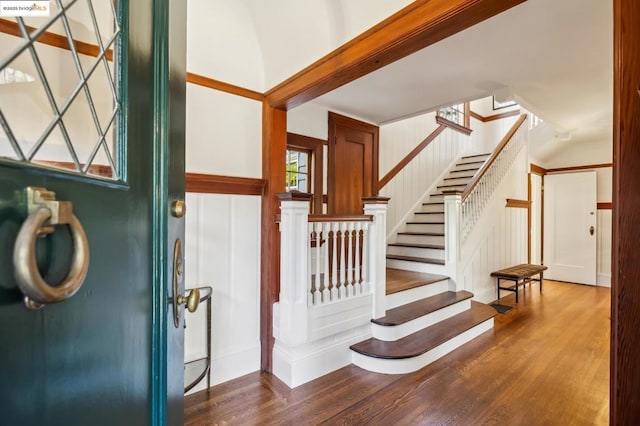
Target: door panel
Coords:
[(569, 227), (97, 358), (353, 164)]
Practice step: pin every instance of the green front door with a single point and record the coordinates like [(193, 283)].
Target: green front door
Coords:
[(100, 123)]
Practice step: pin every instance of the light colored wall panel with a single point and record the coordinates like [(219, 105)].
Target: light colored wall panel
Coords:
[(499, 238), (222, 249), (224, 133)]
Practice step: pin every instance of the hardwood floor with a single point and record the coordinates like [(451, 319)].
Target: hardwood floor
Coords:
[(545, 363)]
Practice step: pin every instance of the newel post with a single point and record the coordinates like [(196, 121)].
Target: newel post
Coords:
[(377, 207), (452, 233), (290, 312)]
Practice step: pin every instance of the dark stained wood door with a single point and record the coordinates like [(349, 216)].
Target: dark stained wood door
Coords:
[(109, 354), (353, 164)]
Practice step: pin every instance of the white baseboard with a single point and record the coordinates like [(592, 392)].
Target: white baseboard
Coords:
[(231, 366), (298, 365), (603, 280)]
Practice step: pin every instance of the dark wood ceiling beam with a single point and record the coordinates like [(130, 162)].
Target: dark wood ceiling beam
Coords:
[(422, 23)]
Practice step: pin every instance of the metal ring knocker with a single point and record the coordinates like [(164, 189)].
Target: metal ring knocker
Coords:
[(36, 291)]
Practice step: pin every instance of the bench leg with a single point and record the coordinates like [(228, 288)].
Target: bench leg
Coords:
[(516, 292), (540, 282)]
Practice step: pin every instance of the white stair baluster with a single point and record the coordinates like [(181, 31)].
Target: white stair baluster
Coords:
[(317, 295), (343, 253), (326, 294), (350, 270), (334, 261), (357, 280)]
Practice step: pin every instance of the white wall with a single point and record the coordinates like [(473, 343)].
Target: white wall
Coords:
[(222, 250), (224, 137), (499, 238)]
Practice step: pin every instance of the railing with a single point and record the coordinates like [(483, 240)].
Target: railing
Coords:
[(338, 258), (328, 266), (481, 188)]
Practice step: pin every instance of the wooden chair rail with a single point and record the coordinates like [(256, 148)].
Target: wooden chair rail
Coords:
[(485, 167)]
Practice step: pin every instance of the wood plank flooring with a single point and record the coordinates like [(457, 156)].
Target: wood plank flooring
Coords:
[(545, 363)]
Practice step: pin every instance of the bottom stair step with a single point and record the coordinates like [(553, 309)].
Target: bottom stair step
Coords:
[(425, 346)]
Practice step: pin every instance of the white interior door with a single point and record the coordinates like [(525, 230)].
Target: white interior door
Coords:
[(569, 227)]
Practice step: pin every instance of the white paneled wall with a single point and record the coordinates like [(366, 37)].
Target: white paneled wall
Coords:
[(603, 267), (222, 250), (408, 188), (499, 238)]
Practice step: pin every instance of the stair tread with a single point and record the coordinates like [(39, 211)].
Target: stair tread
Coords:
[(475, 169), (400, 280), (410, 311), (424, 246), (452, 185), (428, 338), (416, 259), (459, 177), (432, 203), (466, 163), (426, 234), (425, 223), (476, 155)]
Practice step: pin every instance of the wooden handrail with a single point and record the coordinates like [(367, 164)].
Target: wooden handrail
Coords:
[(410, 156), (338, 218), (485, 167)]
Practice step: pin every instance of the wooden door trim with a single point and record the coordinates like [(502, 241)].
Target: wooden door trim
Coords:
[(336, 120), (418, 25), (625, 295), (316, 147)]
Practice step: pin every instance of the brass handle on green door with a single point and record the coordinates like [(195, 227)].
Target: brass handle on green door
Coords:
[(44, 213)]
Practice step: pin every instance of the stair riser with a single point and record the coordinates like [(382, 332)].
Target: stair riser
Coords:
[(470, 161), (439, 228), (452, 188), (432, 208), (403, 366), (403, 297), (436, 198), (437, 217), (416, 252), (391, 333), (429, 268), (420, 239), (464, 168), (457, 181)]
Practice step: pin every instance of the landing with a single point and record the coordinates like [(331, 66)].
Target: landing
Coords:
[(399, 280)]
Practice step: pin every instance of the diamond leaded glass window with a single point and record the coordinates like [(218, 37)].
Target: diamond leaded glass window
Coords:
[(60, 100)]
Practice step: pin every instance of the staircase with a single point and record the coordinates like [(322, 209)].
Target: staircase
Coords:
[(424, 318), (420, 245)]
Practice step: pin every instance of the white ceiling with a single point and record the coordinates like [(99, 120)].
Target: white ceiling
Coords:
[(554, 56)]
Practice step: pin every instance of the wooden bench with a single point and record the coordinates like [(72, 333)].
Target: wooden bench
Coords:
[(520, 274)]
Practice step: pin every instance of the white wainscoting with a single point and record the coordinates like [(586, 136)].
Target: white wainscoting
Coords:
[(499, 238), (222, 250), (409, 187), (603, 266)]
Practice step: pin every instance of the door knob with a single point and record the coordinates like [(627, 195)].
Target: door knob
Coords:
[(191, 301), (591, 230)]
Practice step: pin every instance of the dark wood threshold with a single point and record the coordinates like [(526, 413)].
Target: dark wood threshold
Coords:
[(423, 234), (428, 338), (400, 280), (421, 246), (405, 313), (416, 259)]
